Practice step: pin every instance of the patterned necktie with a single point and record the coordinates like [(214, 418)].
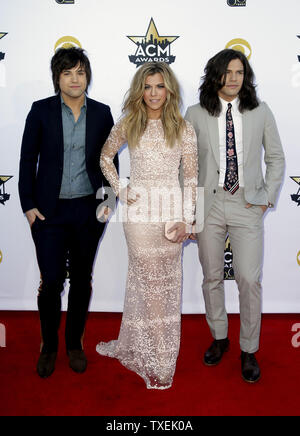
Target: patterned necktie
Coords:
[(231, 182)]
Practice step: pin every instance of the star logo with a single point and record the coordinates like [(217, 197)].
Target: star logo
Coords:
[(296, 197), (2, 55), (3, 196), (152, 47)]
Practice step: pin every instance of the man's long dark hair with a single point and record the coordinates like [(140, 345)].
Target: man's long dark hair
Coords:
[(214, 80), (67, 58)]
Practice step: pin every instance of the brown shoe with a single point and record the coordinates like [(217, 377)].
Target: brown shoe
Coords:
[(214, 354), (77, 360), (46, 364)]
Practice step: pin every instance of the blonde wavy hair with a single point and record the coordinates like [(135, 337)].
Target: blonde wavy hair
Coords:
[(135, 110)]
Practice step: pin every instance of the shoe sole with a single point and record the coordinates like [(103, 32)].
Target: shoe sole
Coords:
[(45, 376), (81, 371), (251, 382)]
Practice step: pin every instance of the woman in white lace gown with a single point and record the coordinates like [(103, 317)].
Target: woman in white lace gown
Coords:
[(159, 141)]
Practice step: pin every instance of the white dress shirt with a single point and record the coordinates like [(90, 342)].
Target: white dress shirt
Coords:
[(238, 133)]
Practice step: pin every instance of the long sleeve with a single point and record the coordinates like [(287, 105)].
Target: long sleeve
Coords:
[(108, 126), (274, 156), (114, 142), (29, 158), (190, 173)]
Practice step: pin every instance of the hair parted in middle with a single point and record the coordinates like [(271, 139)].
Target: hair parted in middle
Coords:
[(135, 110), (215, 77)]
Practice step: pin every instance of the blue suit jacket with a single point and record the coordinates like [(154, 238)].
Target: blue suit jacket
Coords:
[(42, 152)]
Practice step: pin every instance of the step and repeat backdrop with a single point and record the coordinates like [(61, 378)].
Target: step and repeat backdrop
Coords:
[(118, 37)]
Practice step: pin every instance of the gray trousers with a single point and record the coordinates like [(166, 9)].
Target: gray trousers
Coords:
[(245, 229)]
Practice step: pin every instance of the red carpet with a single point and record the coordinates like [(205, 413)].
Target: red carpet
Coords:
[(108, 389)]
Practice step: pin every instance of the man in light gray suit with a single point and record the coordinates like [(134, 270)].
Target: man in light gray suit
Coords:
[(233, 129)]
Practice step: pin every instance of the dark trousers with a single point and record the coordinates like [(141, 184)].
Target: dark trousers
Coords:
[(72, 233)]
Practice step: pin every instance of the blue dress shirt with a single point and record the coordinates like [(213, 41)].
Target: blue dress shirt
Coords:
[(75, 180)]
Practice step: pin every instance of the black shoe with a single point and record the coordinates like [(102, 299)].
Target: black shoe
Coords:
[(250, 368), (214, 354), (46, 364), (77, 360)]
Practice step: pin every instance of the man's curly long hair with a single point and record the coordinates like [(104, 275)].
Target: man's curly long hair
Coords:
[(215, 77)]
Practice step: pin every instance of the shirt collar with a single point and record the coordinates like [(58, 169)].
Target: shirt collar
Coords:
[(235, 104), (66, 106)]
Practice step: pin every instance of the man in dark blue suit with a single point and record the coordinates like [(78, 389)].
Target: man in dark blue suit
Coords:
[(58, 181)]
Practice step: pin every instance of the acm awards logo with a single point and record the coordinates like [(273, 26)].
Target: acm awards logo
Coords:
[(152, 47), (228, 258), (296, 197), (236, 3), (4, 197)]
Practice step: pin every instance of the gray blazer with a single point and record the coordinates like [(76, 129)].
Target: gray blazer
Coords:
[(259, 131)]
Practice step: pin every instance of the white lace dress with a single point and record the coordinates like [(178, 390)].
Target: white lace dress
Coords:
[(149, 336)]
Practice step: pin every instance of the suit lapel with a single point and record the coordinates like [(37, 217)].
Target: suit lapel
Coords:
[(213, 132), (247, 121), (57, 125), (89, 128)]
